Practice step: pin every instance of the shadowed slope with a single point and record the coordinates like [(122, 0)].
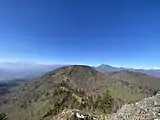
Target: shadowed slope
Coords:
[(136, 78)]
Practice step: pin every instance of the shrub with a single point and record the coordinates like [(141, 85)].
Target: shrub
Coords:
[(3, 116), (105, 103)]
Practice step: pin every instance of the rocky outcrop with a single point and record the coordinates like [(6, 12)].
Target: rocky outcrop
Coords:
[(73, 115), (146, 109)]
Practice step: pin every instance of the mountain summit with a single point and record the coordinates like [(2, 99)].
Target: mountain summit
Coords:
[(71, 87), (80, 76)]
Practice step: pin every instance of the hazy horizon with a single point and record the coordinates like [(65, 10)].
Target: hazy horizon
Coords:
[(34, 64)]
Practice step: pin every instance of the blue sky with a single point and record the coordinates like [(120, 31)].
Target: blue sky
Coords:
[(116, 32)]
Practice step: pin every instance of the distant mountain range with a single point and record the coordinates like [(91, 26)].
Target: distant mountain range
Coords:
[(108, 68), (10, 70)]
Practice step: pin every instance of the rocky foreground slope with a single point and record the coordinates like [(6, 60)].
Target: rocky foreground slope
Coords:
[(146, 109)]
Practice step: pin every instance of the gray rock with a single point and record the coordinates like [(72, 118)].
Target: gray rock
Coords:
[(146, 109)]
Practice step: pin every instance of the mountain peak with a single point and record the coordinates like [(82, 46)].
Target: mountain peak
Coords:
[(105, 65), (79, 67), (80, 76), (73, 70), (107, 68)]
